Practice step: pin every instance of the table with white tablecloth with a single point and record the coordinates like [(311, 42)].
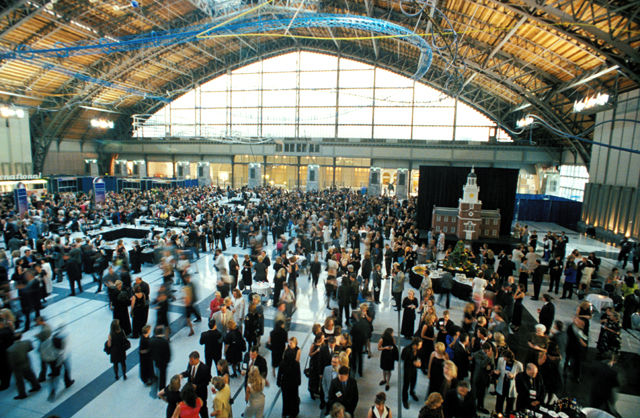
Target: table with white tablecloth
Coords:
[(600, 302), (263, 289)]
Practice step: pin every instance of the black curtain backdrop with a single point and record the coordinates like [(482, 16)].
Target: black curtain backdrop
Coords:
[(442, 186)]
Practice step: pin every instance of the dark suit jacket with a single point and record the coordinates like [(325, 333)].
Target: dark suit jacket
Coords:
[(201, 379), (453, 407), (160, 351), (212, 341), (348, 396), (260, 363), (553, 271), (461, 360), (547, 315), (506, 267), (524, 386), (325, 356), (232, 268)]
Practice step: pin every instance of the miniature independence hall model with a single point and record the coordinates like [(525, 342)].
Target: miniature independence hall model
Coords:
[(469, 221)]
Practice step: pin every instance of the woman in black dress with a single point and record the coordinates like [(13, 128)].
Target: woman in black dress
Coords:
[(436, 368), (388, 356), (234, 346), (516, 320), (278, 282), (550, 371), (246, 271), (120, 305), (289, 381), (428, 335), (584, 312), (139, 311), (315, 364), (293, 274), (252, 325), (409, 304), (278, 342), (147, 374), (117, 341), (171, 394)]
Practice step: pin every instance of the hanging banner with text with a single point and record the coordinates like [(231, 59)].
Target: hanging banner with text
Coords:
[(99, 191), (21, 199)]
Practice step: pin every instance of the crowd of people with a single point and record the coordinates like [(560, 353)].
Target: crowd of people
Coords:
[(352, 242)]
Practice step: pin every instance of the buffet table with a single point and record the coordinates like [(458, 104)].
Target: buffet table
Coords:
[(114, 234), (461, 288), (263, 289), (600, 302)]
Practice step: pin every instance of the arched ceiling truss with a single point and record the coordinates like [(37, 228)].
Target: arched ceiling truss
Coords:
[(511, 57)]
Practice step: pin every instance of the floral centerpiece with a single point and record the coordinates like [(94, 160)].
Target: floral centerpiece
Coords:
[(459, 258)]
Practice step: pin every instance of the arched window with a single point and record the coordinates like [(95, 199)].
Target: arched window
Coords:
[(310, 95)]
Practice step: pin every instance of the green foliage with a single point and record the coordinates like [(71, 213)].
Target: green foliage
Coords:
[(459, 258)]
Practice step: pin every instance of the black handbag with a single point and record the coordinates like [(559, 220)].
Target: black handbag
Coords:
[(107, 347), (127, 343), (307, 369)]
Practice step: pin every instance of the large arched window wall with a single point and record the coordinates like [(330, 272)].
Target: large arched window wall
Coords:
[(310, 95)]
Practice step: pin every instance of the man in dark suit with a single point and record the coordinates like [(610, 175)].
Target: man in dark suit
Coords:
[(529, 387), (555, 272), (160, 351), (326, 351), (344, 299), (212, 341), (73, 273), (344, 390), (536, 278), (234, 270), (199, 375), (547, 313), (507, 267), (359, 336), (253, 358), (459, 402), (411, 363), (135, 256), (446, 284), (461, 355)]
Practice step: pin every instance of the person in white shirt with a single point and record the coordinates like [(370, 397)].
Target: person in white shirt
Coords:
[(479, 283), (238, 307)]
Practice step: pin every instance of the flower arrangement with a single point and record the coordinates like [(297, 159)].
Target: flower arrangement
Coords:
[(459, 258)]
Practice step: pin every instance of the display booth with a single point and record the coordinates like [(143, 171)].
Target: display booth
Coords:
[(375, 180), (312, 177), (91, 167), (204, 174), (139, 169), (402, 181), (183, 170), (120, 168), (255, 175)]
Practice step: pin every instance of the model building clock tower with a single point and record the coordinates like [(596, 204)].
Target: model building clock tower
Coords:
[(470, 209), (469, 221)]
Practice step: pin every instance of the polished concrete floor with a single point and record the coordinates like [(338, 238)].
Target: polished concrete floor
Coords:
[(97, 394)]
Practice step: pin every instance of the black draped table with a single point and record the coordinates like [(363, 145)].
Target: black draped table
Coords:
[(461, 287)]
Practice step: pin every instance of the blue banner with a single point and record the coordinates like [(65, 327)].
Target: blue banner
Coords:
[(21, 199), (100, 191)]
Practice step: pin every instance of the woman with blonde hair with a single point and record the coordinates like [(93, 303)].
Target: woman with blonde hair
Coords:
[(428, 335), (433, 407), (450, 377), (253, 394), (436, 367), (171, 394), (344, 359)]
